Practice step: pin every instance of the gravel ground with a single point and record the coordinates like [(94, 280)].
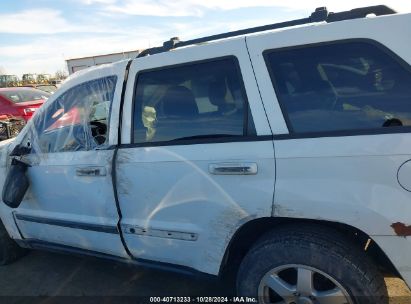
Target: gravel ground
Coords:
[(49, 275)]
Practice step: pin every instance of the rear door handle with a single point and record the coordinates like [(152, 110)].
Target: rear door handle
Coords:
[(91, 171), (233, 169)]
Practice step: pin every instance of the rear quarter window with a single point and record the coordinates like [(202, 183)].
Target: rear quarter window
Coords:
[(341, 86)]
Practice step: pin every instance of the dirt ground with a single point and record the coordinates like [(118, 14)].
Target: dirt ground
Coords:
[(53, 278), (398, 291)]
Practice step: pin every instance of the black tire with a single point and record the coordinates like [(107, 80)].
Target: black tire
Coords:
[(9, 250), (318, 247)]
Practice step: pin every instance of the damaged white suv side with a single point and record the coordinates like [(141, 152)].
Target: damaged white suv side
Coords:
[(281, 155)]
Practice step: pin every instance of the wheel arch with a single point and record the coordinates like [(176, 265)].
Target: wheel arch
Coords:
[(251, 231)]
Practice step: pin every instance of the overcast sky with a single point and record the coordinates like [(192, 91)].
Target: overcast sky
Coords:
[(37, 36)]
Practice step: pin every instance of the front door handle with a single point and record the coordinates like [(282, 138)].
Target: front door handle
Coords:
[(233, 169), (91, 171)]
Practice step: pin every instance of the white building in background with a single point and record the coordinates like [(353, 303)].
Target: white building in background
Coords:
[(77, 64)]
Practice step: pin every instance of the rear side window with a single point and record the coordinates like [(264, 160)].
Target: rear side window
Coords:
[(341, 86), (193, 101)]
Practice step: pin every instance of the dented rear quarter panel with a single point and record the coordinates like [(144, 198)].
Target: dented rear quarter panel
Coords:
[(347, 179), (350, 180)]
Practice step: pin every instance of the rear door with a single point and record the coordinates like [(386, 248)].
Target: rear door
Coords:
[(197, 158)]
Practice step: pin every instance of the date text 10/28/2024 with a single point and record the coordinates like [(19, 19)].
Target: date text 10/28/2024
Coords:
[(203, 300)]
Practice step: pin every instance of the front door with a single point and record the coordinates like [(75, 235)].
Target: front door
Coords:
[(196, 163), (70, 201)]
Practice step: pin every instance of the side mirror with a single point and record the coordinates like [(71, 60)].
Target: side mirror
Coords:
[(16, 184), (21, 150)]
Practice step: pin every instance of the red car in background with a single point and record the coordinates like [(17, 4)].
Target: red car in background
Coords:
[(21, 102)]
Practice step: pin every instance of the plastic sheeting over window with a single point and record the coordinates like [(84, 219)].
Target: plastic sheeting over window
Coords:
[(78, 120)]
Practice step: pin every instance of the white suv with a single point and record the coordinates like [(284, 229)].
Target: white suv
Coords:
[(279, 153)]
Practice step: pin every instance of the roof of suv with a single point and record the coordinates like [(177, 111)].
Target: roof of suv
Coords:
[(321, 14)]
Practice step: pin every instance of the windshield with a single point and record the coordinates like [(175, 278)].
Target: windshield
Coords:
[(17, 96)]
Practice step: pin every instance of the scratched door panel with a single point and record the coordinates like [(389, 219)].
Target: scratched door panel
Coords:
[(175, 211)]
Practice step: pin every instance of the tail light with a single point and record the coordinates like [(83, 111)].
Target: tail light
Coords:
[(29, 111)]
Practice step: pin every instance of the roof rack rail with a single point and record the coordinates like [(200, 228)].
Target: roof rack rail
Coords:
[(320, 14)]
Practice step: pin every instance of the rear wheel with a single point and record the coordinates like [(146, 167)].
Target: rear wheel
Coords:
[(309, 265), (9, 250), (293, 283)]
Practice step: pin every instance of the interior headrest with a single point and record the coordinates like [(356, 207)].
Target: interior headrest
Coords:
[(217, 92), (179, 101)]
